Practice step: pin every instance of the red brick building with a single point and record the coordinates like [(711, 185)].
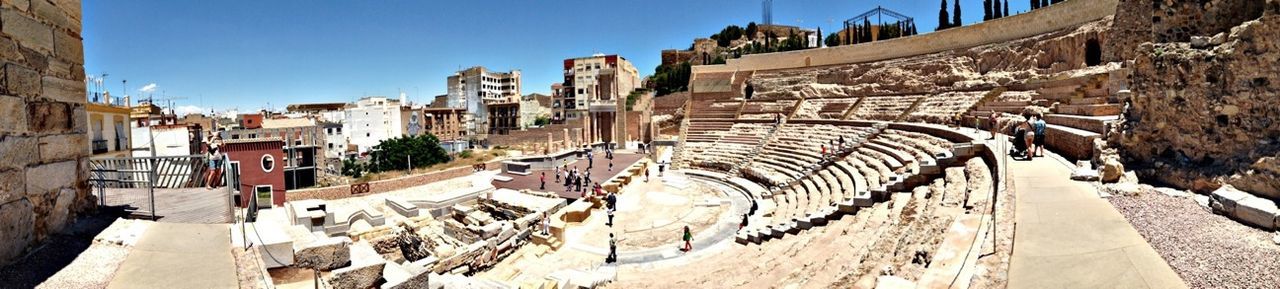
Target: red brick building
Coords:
[(260, 164)]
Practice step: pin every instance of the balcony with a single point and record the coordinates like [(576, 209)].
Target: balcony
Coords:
[(99, 146)]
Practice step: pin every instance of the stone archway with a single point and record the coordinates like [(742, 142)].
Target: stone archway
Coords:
[(1092, 52)]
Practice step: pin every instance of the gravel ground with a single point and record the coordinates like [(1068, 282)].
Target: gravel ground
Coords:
[(1207, 250)]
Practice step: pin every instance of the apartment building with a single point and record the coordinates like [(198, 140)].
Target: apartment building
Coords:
[(372, 120), (595, 90), (474, 89)]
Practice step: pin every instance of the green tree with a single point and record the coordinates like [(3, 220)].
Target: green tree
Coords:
[(819, 35), (541, 120), (866, 30), (832, 39), (1035, 4), (751, 30), (943, 17), (397, 153), (955, 15), (997, 14), (1044, 3), (672, 78), (351, 168), (1006, 8), (986, 10), (718, 60)]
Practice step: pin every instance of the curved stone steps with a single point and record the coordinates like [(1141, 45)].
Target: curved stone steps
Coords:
[(923, 160), (856, 194), (835, 194), (883, 174), (907, 160)]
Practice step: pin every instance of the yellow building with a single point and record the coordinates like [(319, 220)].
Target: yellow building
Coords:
[(109, 126)]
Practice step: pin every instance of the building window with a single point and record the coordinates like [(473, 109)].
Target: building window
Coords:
[(268, 163)]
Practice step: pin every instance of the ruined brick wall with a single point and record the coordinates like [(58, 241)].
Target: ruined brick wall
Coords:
[(43, 137), (1178, 21), (1205, 112), (383, 186), (1130, 28)]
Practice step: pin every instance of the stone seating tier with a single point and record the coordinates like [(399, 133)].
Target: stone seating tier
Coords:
[(1096, 124)]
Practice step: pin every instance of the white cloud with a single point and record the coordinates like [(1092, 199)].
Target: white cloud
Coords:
[(148, 88), (188, 109)]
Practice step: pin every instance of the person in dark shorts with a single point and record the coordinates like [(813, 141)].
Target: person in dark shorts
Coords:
[(1039, 126)]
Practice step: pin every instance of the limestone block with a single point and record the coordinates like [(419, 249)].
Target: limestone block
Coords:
[(18, 152), (20, 4), (404, 277), (63, 90), (28, 31), (1111, 170), (12, 185), (48, 116), (14, 111), (51, 177), (323, 254), (61, 212), (1225, 199), (45, 10), (1257, 211), (356, 277), (72, 7), (17, 228), (21, 81), (63, 147)]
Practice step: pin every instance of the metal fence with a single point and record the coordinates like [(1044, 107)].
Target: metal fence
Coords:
[(137, 172), (136, 182)]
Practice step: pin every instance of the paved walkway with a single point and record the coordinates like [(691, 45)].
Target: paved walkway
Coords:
[(179, 256), (722, 232), (599, 172), (1069, 237)]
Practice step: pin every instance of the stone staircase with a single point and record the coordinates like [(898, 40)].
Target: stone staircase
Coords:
[(737, 168), (679, 149)]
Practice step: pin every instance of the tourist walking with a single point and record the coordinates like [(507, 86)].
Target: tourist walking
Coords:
[(610, 165), (1038, 125), (646, 175), (688, 237), (557, 173), (613, 250), (752, 211), (661, 166), (991, 121), (744, 221), (546, 225), (542, 181), (611, 202)]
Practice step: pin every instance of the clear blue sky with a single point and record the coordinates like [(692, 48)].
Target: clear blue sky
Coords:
[(246, 54)]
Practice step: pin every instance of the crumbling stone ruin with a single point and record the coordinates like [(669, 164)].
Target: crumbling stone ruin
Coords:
[(1203, 107), (43, 135)]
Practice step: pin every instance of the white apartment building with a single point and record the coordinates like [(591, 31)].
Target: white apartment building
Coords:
[(372, 120), (582, 84), (476, 87)]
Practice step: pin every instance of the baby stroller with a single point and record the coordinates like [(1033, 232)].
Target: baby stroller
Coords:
[(1019, 144)]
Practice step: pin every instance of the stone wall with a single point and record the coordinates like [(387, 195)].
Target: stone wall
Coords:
[(973, 69), (1065, 15), (383, 186), (1204, 112), (43, 136), (1131, 27), (1177, 21)]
